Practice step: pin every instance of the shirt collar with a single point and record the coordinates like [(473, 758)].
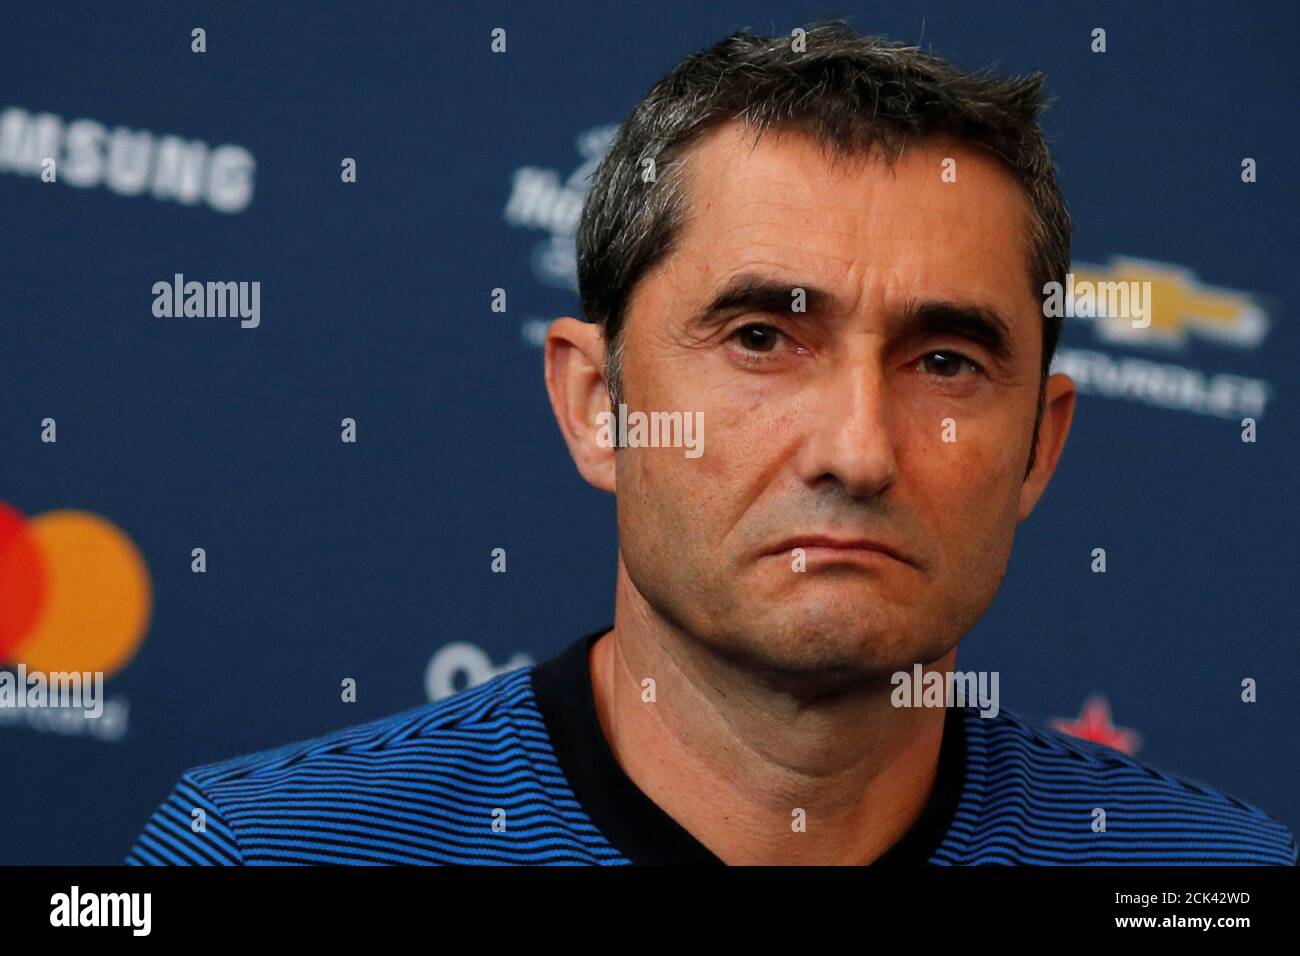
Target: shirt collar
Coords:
[(637, 827)]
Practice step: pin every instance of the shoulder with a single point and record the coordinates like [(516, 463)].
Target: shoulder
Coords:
[(422, 786), (467, 726), (1034, 795)]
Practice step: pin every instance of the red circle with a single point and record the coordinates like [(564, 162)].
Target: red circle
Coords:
[(22, 581)]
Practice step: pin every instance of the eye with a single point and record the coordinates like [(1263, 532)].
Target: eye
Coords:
[(756, 337), (947, 364)]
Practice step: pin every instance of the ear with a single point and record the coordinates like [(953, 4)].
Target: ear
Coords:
[(575, 381), (1058, 412)]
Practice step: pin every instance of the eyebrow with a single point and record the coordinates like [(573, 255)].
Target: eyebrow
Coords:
[(977, 323), (749, 292)]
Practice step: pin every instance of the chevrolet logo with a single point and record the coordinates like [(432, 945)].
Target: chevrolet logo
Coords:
[(1179, 305)]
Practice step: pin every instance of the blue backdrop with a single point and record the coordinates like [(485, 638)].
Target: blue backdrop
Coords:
[(370, 560)]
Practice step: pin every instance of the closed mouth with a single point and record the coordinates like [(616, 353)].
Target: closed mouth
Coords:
[(841, 544)]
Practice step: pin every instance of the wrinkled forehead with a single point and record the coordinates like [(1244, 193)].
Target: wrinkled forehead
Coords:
[(942, 219)]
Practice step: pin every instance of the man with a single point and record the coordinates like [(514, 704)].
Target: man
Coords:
[(830, 252)]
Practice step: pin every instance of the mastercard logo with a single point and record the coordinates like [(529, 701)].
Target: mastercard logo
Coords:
[(74, 592)]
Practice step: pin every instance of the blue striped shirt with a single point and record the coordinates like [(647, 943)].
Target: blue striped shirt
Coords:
[(482, 778)]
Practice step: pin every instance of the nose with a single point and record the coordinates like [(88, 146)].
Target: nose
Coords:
[(851, 442)]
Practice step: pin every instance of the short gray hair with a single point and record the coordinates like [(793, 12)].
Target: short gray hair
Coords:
[(853, 93)]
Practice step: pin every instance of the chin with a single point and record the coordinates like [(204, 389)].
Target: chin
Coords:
[(832, 642)]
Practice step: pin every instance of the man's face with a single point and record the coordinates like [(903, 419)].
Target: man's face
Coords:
[(884, 430)]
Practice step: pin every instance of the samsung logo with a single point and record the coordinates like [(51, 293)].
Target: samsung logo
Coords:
[(86, 153)]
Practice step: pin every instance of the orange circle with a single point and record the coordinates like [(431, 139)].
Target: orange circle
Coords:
[(97, 600)]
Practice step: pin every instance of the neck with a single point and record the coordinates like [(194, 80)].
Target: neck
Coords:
[(734, 759)]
